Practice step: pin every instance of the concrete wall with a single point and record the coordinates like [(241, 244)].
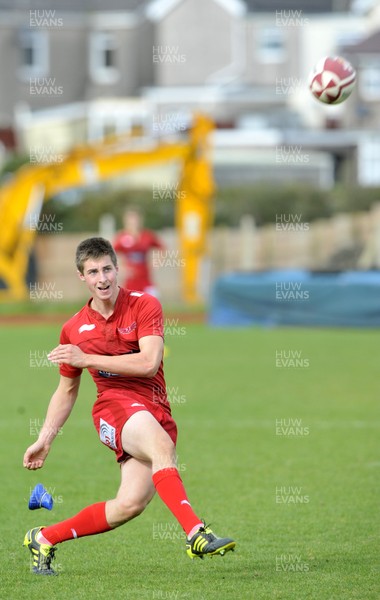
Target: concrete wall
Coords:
[(55, 255), (192, 42)]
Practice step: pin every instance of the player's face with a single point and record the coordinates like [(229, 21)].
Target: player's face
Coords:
[(100, 276), (132, 221)]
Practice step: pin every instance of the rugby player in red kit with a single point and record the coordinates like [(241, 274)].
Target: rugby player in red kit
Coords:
[(118, 337), (134, 244)]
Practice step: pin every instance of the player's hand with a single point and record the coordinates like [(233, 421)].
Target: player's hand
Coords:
[(35, 455), (68, 354)]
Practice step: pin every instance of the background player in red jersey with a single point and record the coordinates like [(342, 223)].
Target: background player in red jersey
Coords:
[(135, 245), (118, 337)]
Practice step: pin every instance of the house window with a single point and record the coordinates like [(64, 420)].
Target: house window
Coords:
[(368, 160), (103, 58), (369, 87), (271, 45), (34, 51)]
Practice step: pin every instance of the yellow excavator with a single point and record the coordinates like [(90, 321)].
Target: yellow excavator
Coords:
[(22, 197)]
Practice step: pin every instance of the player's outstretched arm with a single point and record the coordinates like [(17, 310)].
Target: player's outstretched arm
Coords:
[(59, 409)]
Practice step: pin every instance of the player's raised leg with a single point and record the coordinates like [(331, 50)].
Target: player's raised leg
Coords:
[(144, 438)]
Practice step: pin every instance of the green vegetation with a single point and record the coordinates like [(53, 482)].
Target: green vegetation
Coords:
[(263, 202), (79, 210)]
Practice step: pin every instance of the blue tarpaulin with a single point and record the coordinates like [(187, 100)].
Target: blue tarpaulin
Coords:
[(269, 298)]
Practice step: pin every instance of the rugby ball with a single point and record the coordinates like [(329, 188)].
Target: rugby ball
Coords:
[(332, 80)]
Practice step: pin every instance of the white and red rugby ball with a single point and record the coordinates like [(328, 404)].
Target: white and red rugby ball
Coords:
[(332, 80)]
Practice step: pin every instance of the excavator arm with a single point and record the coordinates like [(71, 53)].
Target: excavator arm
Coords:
[(22, 197)]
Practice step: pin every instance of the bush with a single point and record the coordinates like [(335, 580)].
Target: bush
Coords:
[(263, 202), (12, 164), (85, 214)]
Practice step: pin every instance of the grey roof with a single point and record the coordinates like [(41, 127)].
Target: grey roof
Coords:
[(73, 5), (370, 45), (307, 6)]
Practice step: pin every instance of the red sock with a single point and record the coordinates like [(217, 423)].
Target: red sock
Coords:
[(170, 488), (88, 521)]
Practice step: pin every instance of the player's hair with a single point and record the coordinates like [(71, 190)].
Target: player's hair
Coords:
[(95, 248)]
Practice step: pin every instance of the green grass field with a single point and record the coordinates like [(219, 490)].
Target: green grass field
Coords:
[(285, 459)]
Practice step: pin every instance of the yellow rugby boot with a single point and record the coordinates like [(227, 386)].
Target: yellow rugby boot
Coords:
[(42, 554), (204, 542)]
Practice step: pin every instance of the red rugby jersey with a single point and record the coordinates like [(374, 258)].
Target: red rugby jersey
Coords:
[(136, 315), (135, 251)]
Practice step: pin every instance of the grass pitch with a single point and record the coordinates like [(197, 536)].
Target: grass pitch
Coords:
[(278, 448)]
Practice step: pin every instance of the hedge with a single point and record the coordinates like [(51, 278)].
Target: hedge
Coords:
[(263, 202), (80, 210)]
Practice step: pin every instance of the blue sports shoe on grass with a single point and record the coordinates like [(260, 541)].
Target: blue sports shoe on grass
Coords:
[(40, 498)]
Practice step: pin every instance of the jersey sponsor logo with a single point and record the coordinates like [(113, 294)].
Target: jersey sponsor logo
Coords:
[(138, 258), (107, 434), (127, 330), (108, 374), (86, 327), (138, 294)]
